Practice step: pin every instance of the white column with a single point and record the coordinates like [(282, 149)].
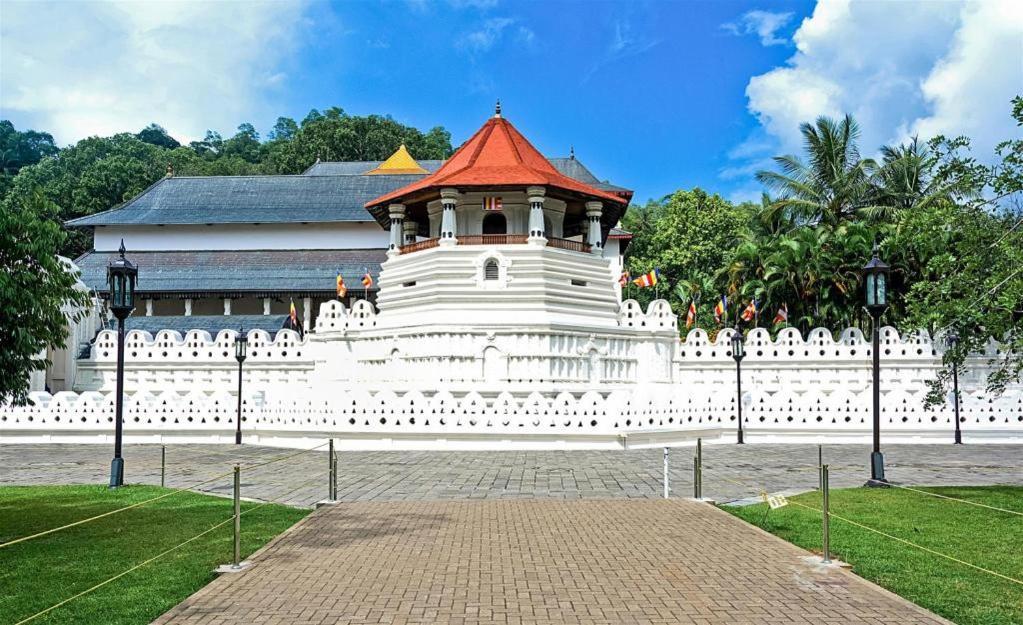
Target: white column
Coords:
[(397, 212), (266, 305), (536, 199), (188, 307), (593, 212), (149, 308), (227, 305), (307, 312), (448, 222), (411, 228)]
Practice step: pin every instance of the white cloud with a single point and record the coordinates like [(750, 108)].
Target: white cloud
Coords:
[(763, 24), (77, 69), (625, 42), (899, 68), (486, 36)]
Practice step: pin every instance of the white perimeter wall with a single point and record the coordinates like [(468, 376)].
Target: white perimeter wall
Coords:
[(289, 236)]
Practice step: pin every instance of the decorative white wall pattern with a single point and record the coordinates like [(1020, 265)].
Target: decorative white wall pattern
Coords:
[(374, 386)]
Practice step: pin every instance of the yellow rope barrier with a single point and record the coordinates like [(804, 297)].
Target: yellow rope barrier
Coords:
[(160, 555), (966, 501), (112, 512), (157, 498), (123, 573), (911, 544), (886, 535)]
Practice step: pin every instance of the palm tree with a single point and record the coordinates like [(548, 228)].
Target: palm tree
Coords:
[(833, 185)]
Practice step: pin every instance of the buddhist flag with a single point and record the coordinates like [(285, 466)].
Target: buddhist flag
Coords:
[(624, 278), (750, 311), (648, 279), (492, 204), (367, 280), (342, 290), (292, 322), (691, 315), (783, 314), (721, 309)]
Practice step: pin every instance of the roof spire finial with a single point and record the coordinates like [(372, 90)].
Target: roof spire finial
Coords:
[(571, 152), (122, 250), (170, 170), (497, 109)]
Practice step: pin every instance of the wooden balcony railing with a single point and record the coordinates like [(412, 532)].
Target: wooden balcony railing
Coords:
[(419, 245), (491, 239), (496, 239), (568, 244)]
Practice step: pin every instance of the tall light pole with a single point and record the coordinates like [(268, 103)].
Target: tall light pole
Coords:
[(875, 282), (952, 340), (121, 277), (738, 353), (241, 344)]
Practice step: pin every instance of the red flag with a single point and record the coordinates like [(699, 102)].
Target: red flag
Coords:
[(750, 311), (691, 315), (783, 314)]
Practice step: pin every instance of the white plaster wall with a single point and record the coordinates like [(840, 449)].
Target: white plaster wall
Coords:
[(291, 236)]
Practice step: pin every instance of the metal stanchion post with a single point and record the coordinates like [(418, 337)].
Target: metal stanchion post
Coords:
[(825, 515), (163, 465), (820, 467), (236, 566), (696, 477), (666, 473), (333, 490), (699, 468), (237, 516), (330, 471)]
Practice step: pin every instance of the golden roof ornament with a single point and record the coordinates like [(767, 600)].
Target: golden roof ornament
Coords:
[(401, 162)]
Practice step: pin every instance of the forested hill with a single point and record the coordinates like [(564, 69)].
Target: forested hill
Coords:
[(99, 173)]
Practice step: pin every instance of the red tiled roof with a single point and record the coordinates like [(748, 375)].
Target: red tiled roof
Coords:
[(497, 155)]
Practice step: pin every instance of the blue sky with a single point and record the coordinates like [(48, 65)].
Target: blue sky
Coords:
[(653, 95)]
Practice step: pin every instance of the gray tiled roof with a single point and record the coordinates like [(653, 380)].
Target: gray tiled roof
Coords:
[(250, 199), (355, 168), (326, 192), (211, 323), (250, 272)]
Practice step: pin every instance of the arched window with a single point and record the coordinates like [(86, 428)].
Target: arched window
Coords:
[(491, 270), (495, 223)]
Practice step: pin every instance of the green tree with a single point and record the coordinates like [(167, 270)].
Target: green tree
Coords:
[(335, 135), (833, 184), (687, 236), (156, 135), (20, 149), (36, 288)]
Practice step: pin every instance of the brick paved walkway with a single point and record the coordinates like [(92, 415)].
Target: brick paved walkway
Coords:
[(423, 475), (537, 561)]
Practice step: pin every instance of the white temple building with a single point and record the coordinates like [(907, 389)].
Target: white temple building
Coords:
[(495, 320)]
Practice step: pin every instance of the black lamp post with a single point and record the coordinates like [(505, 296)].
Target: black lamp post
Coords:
[(952, 340), (241, 345), (875, 281), (738, 353), (121, 277)]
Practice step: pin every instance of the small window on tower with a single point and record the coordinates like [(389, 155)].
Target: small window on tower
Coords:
[(490, 270)]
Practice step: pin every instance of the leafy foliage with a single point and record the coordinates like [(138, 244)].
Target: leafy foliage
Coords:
[(99, 173), (37, 294)]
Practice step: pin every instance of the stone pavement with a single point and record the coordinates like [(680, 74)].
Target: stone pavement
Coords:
[(537, 561), (434, 475)]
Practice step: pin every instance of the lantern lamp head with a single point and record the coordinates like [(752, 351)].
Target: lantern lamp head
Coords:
[(875, 283), (241, 345), (121, 278), (738, 350)]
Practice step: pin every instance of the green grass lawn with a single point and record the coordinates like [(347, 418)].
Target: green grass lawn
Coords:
[(986, 538), (42, 572)]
